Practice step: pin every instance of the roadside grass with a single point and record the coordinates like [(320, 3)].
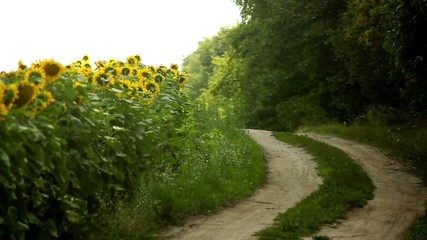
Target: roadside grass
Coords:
[(334, 198), (220, 164), (403, 142)]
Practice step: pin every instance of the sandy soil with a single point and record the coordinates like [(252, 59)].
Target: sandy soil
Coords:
[(292, 176), (398, 198)]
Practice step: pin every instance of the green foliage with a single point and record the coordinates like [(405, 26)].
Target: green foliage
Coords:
[(199, 64), (418, 229), (339, 57), (299, 111), (220, 163), (62, 168), (331, 201)]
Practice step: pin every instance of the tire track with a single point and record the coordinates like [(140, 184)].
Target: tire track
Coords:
[(292, 176), (399, 196)]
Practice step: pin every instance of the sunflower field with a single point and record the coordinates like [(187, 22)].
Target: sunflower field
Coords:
[(75, 138)]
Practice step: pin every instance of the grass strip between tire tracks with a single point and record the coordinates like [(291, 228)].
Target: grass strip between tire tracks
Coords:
[(345, 186), (403, 142)]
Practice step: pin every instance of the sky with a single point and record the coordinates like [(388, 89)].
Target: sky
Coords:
[(161, 31)]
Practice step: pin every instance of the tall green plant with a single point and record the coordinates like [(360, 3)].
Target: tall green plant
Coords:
[(62, 167)]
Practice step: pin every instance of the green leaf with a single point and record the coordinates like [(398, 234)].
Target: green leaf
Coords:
[(23, 226), (116, 90), (51, 228), (4, 158)]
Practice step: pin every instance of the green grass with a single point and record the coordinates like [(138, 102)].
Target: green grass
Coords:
[(219, 165), (334, 198), (404, 142)]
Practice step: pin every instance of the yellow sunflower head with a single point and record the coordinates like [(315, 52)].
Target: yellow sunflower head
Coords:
[(138, 57), (161, 70), (131, 60), (36, 76), (145, 73), (10, 94), (51, 69), (3, 110), (174, 66), (158, 78), (111, 69), (2, 90), (182, 78), (86, 57), (27, 92), (22, 66), (100, 64), (112, 61), (102, 79), (78, 63), (87, 65), (125, 71), (43, 99), (152, 87)]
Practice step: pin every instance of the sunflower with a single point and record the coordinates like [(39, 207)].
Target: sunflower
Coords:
[(3, 110), (2, 90), (78, 63), (161, 70), (51, 69), (100, 64), (27, 92), (138, 57), (125, 71), (158, 78), (87, 64), (182, 79), (112, 61), (85, 69), (152, 87), (111, 70), (101, 78), (174, 66), (86, 57), (131, 60), (43, 99), (36, 76), (10, 94), (22, 66), (125, 84), (145, 73)]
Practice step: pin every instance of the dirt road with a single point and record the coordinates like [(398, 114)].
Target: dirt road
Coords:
[(398, 198), (292, 176)]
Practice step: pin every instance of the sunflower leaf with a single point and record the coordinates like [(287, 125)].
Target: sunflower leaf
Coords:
[(4, 158)]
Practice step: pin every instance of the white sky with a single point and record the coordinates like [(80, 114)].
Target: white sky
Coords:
[(161, 31)]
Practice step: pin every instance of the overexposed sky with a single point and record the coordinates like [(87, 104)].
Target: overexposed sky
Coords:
[(161, 31)]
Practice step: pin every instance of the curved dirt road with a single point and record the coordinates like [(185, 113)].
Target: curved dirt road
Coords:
[(292, 176), (398, 197)]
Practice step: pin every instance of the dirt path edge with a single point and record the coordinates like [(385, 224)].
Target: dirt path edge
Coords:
[(292, 176), (399, 196)]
